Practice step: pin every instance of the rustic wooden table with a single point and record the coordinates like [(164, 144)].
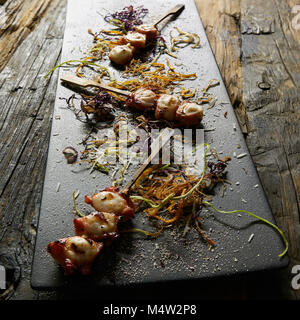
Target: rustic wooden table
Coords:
[(257, 47)]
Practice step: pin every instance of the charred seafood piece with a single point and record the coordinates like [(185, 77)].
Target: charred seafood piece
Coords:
[(112, 201), (148, 30), (189, 113), (98, 226), (166, 107), (75, 254), (142, 99), (121, 54), (70, 154), (136, 39)]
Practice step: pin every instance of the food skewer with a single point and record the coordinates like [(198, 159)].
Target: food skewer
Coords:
[(158, 144), (118, 202), (166, 106), (90, 83), (161, 140), (123, 52), (175, 10), (94, 231)]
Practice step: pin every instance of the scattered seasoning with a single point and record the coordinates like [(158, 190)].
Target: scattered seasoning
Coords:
[(58, 187), (256, 186), (239, 156), (183, 37), (251, 237), (243, 200), (234, 127)]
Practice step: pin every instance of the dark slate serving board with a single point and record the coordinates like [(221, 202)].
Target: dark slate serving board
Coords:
[(133, 259)]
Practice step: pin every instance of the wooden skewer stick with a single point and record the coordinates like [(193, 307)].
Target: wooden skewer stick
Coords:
[(174, 11), (90, 83), (159, 142)]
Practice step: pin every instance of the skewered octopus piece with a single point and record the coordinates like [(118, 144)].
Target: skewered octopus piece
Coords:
[(142, 99), (189, 113), (136, 39), (121, 54), (166, 106), (125, 46), (98, 226), (147, 29), (75, 254), (112, 201)]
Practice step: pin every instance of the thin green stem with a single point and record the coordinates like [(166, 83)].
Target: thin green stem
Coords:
[(75, 206), (165, 166), (81, 62), (259, 218), (152, 204), (118, 23)]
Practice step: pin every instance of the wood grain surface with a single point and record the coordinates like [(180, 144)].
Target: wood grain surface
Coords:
[(258, 52)]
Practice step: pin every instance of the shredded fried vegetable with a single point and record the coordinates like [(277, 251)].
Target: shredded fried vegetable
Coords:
[(147, 233), (100, 104), (127, 18), (81, 63), (151, 75), (171, 187), (161, 187), (183, 37)]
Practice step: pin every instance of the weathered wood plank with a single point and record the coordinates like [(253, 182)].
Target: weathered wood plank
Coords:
[(222, 27), (25, 119), (271, 52), (20, 18)]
